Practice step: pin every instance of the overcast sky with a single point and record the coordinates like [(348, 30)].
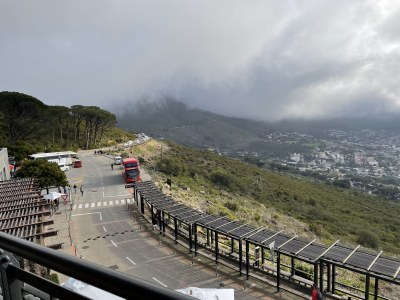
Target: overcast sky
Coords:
[(259, 59)]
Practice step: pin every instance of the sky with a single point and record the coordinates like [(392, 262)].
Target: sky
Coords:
[(258, 59)]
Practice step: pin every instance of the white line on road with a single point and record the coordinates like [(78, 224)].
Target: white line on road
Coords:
[(80, 205), (128, 201), (74, 206), (111, 203), (122, 201), (98, 203), (105, 203), (104, 229), (116, 202), (115, 195), (86, 205), (164, 285), (131, 260), (114, 243), (101, 218)]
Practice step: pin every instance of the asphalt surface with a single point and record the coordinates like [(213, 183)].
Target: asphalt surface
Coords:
[(98, 226)]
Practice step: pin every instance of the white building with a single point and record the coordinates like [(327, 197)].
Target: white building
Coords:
[(4, 165)]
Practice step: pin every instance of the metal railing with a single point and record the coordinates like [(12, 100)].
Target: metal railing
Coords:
[(18, 284)]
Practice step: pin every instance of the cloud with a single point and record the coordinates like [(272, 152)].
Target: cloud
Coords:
[(267, 60)]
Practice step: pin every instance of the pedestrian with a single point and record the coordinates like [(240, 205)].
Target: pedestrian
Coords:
[(75, 188), (65, 190), (112, 166), (155, 222), (59, 189), (316, 293), (81, 190)]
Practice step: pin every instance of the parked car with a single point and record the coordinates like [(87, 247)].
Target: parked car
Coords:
[(77, 164), (117, 160), (64, 168)]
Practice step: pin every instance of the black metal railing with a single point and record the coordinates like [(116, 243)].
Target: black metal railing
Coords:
[(18, 284)]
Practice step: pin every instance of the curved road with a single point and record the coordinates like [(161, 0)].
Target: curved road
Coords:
[(106, 233)]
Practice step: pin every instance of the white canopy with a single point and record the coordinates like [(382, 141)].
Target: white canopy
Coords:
[(88, 290), (53, 196)]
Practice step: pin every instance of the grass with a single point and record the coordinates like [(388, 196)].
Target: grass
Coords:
[(229, 187)]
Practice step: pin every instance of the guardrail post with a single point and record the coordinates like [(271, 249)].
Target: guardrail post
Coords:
[(292, 267), (176, 230), (316, 273), (328, 277), (208, 237), (333, 278), (321, 276), (11, 287), (190, 237), (216, 247), (195, 238)]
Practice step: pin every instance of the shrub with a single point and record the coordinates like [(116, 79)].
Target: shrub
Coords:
[(171, 166), (220, 177), (54, 278), (233, 206), (368, 239)]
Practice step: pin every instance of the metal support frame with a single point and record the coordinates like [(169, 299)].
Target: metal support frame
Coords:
[(321, 275), (195, 238), (216, 247), (396, 273), (333, 278), (274, 235), (376, 288), (232, 245), (278, 271), (351, 254), (208, 237), (292, 266), (190, 237), (288, 241), (374, 261), (176, 229), (297, 253), (328, 277), (247, 259), (315, 273), (367, 284), (240, 257)]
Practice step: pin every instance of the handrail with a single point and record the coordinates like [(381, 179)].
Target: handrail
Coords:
[(117, 283)]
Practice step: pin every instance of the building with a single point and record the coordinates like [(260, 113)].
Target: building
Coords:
[(4, 165)]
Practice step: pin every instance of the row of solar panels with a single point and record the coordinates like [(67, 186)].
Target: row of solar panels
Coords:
[(290, 245)]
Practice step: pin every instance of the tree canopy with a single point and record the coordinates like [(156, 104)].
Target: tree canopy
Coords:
[(47, 173)]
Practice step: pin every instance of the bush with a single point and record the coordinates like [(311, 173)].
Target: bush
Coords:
[(233, 206), (54, 278), (368, 239), (220, 177), (171, 166)]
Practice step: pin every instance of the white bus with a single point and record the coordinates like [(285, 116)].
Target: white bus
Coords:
[(60, 158)]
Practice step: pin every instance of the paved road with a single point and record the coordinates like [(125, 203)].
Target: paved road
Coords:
[(104, 231)]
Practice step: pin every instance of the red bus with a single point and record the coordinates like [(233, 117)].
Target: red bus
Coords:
[(131, 169)]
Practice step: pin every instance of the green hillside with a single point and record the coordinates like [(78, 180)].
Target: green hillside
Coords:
[(230, 187)]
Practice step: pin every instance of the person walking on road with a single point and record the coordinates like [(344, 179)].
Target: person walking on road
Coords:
[(81, 190), (112, 166), (74, 188)]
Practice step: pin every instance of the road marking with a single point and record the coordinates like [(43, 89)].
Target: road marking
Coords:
[(80, 205), (124, 195), (122, 201), (104, 229), (86, 205), (128, 201), (93, 204), (114, 243), (116, 202), (101, 218), (131, 260), (98, 203), (105, 203), (74, 206), (111, 203), (164, 285)]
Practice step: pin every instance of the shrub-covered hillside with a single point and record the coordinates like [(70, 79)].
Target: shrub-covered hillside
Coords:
[(239, 190)]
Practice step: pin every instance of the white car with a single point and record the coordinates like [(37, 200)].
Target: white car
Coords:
[(117, 160), (64, 168)]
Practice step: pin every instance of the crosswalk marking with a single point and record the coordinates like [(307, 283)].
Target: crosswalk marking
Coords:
[(102, 204)]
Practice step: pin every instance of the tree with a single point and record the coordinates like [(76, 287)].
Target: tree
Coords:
[(47, 173), (21, 115)]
